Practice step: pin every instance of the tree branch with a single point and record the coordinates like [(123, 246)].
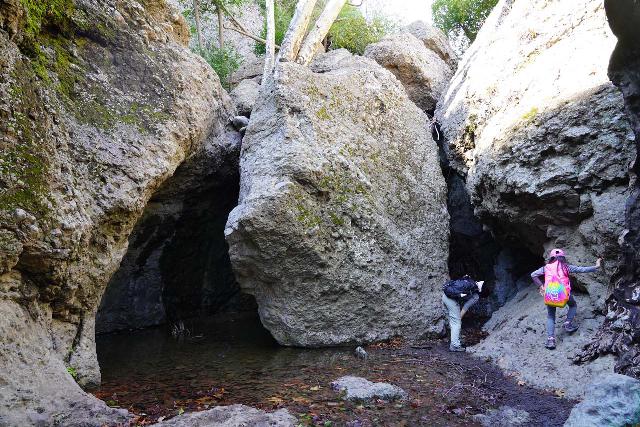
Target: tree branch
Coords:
[(297, 30), (315, 36), (251, 36)]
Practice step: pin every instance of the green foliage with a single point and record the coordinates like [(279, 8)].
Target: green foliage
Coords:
[(466, 16), (351, 30), (224, 61), (45, 12), (72, 371)]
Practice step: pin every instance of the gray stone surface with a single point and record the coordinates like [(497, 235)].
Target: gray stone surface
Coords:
[(341, 232), (421, 71), (362, 390), (516, 340), (435, 40), (542, 141), (86, 148), (617, 335), (611, 400), (545, 146), (505, 416), (244, 96), (232, 416)]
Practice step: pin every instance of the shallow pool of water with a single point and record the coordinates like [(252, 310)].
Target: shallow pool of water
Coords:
[(233, 360)]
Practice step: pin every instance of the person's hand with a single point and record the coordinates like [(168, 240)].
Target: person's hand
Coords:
[(541, 290), (599, 263)]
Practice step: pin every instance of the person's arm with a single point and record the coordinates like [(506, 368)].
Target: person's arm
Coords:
[(474, 299), (590, 269), (535, 276)]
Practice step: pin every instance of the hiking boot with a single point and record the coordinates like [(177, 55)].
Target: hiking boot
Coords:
[(457, 348), (570, 327), (551, 343)]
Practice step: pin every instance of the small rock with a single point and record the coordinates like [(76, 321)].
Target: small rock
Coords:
[(361, 353), (240, 122), (612, 400), (361, 389), (505, 416)]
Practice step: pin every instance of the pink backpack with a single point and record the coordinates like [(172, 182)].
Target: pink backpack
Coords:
[(557, 286)]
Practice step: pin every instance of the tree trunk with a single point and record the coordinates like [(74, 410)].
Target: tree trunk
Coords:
[(269, 57), (220, 26), (196, 13), (319, 31), (297, 30)]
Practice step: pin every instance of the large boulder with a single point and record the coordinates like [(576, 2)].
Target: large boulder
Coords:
[(545, 146), (99, 104), (422, 72), (341, 232), (434, 39), (611, 400)]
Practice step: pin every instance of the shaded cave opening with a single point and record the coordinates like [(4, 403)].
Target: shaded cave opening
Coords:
[(505, 263), (176, 275)]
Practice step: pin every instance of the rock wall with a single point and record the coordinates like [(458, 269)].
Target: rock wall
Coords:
[(177, 264), (533, 123), (99, 104), (341, 232), (619, 334), (541, 141)]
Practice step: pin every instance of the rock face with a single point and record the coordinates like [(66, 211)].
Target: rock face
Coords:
[(544, 145), (99, 105), (362, 390), (542, 142), (232, 416), (434, 40), (611, 400), (516, 340), (422, 72), (245, 95), (341, 232), (620, 330)]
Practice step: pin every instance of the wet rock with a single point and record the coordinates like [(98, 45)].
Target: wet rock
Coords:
[(522, 320), (244, 96), (90, 135), (434, 40), (612, 400), (421, 71), (362, 390), (505, 416), (232, 416), (342, 207)]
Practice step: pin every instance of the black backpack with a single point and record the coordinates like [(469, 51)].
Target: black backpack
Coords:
[(454, 289)]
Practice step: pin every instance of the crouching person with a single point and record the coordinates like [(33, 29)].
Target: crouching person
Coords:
[(458, 296)]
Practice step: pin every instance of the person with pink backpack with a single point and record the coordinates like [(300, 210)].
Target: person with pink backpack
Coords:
[(556, 290)]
